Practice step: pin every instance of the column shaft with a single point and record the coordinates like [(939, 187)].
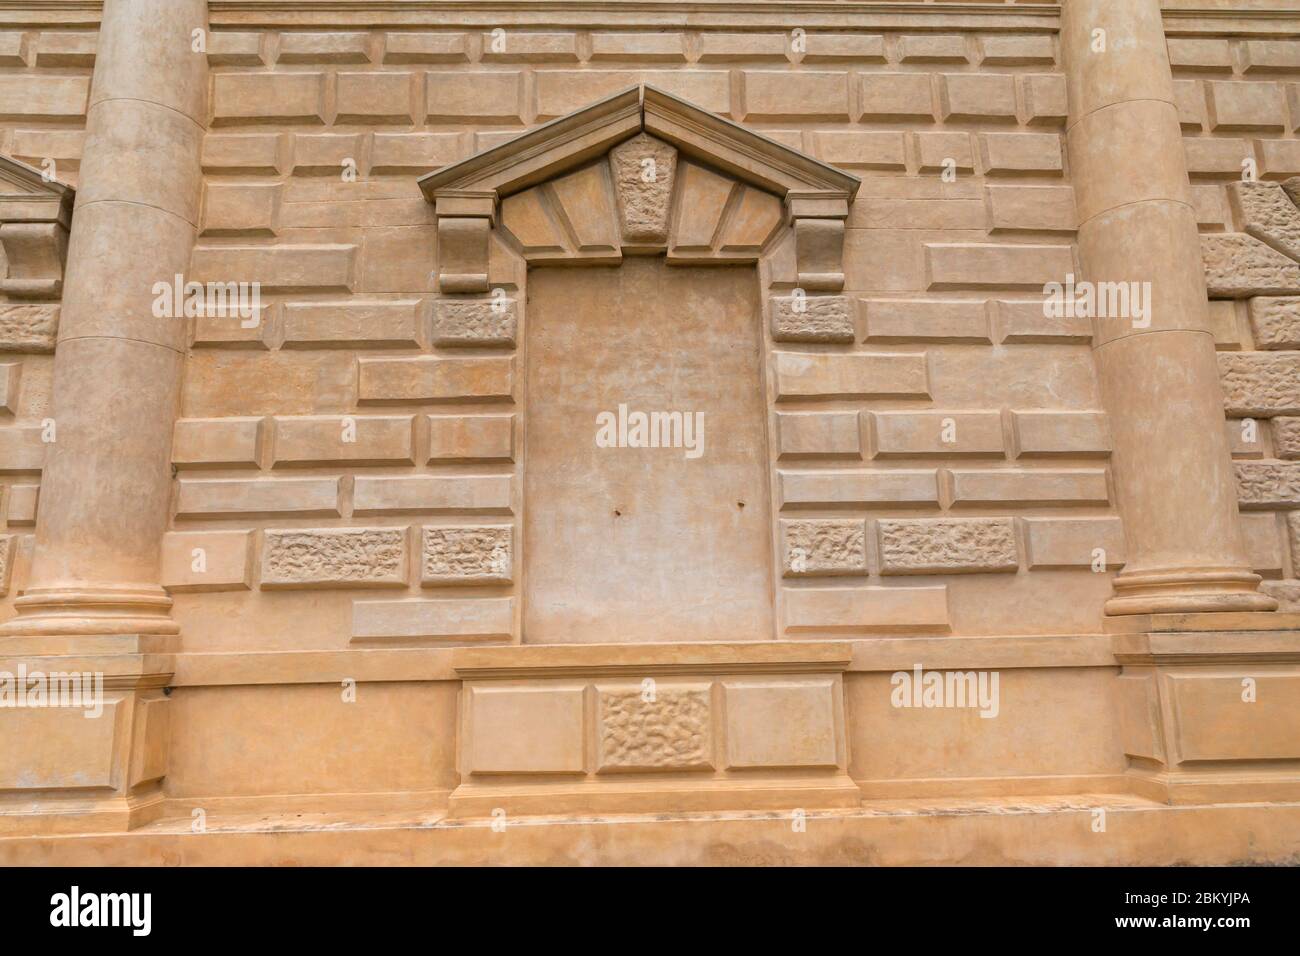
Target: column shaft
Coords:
[(105, 490)]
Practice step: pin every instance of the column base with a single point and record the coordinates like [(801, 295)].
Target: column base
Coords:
[(127, 610), (1183, 591)]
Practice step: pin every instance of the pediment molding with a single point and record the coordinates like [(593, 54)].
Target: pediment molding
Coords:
[(570, 191), (35, 218)]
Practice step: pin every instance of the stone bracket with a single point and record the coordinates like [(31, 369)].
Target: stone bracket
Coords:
[(35, 217), (465, 220)]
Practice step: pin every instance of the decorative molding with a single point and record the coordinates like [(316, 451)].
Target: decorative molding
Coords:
[(35, 217)]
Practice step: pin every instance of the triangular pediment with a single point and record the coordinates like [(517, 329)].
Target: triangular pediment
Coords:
[(564, 144), (26, 195)]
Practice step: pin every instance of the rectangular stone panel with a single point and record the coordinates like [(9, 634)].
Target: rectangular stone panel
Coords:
[(430, 494), (42, 97), (822, 318), (277, 268), (207, 560), (334, 558), (353, 323), (1061, 434), (28, 328), (860, 375), (1023, 322), (313, 440), (467, 554), (86, 748), (937, 434), (853, 489), (818, 435), (217, 443), (222, 498), (21, 449), (1260, 383), (666, 727), (782, 723), (427, 379), (1213, 723), (1268, 484), (1083, 486), (474, 323), (266, 98), (944, 546), (1055, 543), (454, 621), (981, 265), (553, 715), (470, 438), (864, 610), (822, 547), (926, 320)]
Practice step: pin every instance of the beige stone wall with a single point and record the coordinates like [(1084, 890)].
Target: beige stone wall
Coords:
[(44, 86), (1239, 103)]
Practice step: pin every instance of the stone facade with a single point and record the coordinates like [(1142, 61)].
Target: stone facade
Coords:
[(374, 502)]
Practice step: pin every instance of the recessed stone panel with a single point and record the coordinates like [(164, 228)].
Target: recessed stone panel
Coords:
[(553, 719), (944, 546), (786, 723), (482, 323), (467, 554), (334, 557), (817, 547), (823, 318), (658, 726)]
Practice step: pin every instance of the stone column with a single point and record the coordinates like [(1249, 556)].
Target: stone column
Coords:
[(105, 490), (1158, 374)]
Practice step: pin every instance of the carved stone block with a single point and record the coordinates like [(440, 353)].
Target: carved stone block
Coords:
[(941, 545), (644, 169), (1268, 484), (1266, 212), (1238, 266), (1260, 383), (824, 547), (798, 318), (666, 728), (474, 322), (28, 328), (1275, 322), (479, 554), (334, 557)]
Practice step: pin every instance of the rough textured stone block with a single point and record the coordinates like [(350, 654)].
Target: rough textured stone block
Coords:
[(470, 554), (1074, 543), (334, 558), (815, 548), (943, 545), (344, 440), (926, 320), (861, 375), (818, 435), (1238, 266), (450, 621), (1286, 437), (644, 193), (896, 96), (1061, 434), (1260, 383), (229, 498), (1268, 484), (670, 731), (1084, 486), (937, 434), (1275, 322), (471, 438), (28, 328), (1266, 212), (429, 379), (863, 610), (429, 494), (823, 318), (474, 323), (353, 323), (267, 98), (206, 560), (217, 443), (855, 489)]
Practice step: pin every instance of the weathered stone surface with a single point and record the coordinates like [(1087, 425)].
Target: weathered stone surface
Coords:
[(1286, 437), (1293, 536), (28, 328), (1238, 266), (815, 548), (1260, 383), (1268, 484), (474, 322), (644, 169), (1275, 322), (1266, 212), (6, 561), (1286, 592), (669, 732), (1292, 188), (479, 554), (941, 545), (823, 318), (334, 557)]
